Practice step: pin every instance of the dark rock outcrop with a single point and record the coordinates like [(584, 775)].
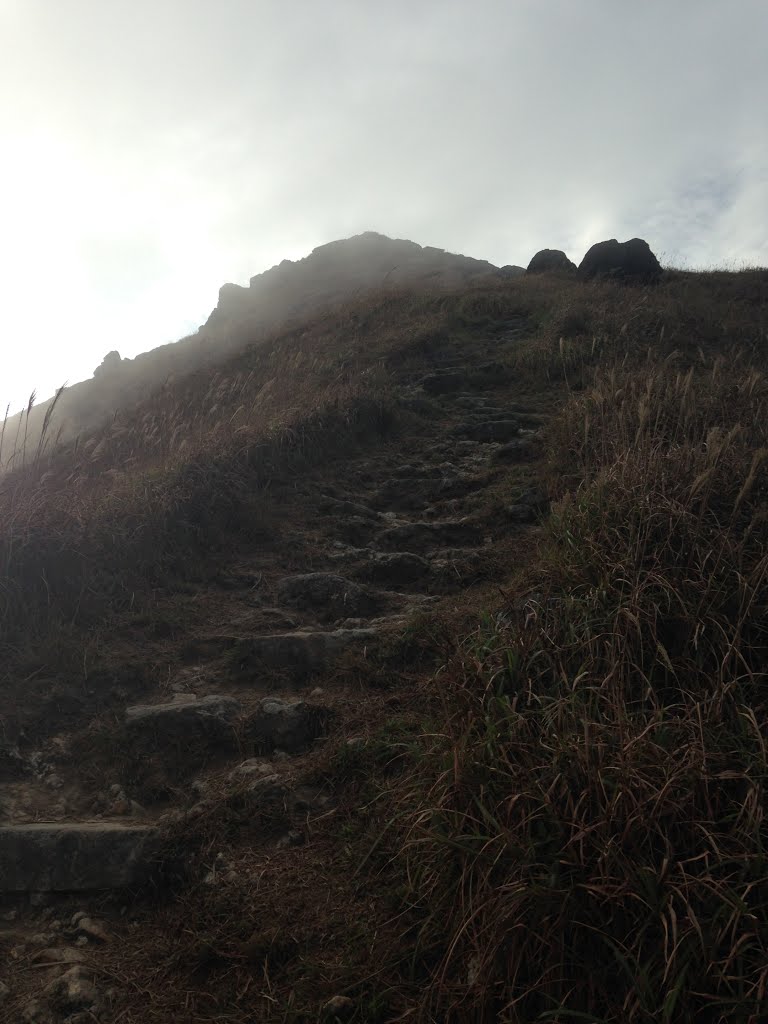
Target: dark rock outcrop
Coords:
[(334, 271), (109, 365), (233, 301), (549, 259), (623, 261)]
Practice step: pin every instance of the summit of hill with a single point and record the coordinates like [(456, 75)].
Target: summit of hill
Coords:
[(337, 272)]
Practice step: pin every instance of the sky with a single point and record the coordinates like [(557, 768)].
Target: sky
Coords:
[(151, 150)]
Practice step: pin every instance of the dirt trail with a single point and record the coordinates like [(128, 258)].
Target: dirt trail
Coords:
[(265, 664)]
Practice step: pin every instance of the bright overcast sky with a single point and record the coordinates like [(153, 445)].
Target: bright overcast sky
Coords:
[(152, 149)]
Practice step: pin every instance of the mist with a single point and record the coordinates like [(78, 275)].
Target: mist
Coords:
[(152, 152)]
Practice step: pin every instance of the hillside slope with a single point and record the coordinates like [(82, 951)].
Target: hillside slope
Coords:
[(412, 666), (331, 274)]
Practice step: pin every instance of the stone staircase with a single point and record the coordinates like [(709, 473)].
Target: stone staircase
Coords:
[(402, 527)]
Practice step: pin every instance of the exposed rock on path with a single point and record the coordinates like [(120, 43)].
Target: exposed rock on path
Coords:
[(419, 536), (489, 430), (286, 725), (394, 568), (210, 717), (300, 652), (327, 596)]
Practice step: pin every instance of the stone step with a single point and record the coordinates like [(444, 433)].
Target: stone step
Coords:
[(300, 652), (488, 430), (392, 568), (328, 596), (284, 725), (343, 506), (195, 728), (521, 449), (492, 404), (489, 415), (419, 536), (444, 382), (75, 856), (211, 718), (407, 496)]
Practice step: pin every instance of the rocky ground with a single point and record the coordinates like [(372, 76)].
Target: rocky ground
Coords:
[(202, 774)]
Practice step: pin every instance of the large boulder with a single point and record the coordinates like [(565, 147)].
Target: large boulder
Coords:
[(549, 259), (624, 261)]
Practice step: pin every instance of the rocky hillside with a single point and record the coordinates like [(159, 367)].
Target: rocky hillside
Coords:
[(338, 272), (411, 666)]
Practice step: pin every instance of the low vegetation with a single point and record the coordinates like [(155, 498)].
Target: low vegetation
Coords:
[(573, 825)]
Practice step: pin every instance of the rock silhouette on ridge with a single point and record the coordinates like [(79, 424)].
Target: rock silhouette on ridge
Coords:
[(549, 259), (625, 261)]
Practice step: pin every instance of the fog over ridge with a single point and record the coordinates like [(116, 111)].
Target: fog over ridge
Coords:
[(152, 152)]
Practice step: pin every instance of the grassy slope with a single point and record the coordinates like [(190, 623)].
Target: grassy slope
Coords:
[(567, 820), (599, 816), (92, 528)]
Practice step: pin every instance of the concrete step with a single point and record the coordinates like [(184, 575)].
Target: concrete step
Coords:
[(81, 856)]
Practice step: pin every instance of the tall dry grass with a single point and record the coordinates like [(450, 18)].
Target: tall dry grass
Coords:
[(595, 835)]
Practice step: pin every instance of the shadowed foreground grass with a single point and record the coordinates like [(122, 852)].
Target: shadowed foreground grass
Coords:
[(596, 832)]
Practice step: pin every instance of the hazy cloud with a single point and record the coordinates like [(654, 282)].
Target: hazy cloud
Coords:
[(151, 151)]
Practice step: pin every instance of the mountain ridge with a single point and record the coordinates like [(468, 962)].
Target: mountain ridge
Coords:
[(334, 272), (364, 261)]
